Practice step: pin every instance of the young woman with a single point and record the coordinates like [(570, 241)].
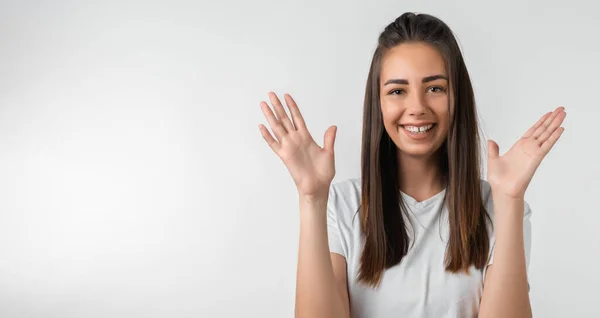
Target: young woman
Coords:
[(417, 234)]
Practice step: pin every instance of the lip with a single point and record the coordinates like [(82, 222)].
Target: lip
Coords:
[(418, 124), (417, 137)]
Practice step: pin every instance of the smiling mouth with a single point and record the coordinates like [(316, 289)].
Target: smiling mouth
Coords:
[(418, 129)]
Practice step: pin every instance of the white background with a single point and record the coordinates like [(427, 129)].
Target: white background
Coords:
[(134, 181)]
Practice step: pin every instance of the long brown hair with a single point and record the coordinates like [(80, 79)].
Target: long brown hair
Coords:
[(382, 211)]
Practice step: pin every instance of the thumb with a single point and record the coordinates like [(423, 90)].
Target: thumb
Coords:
[(329, 139), (493, 149)]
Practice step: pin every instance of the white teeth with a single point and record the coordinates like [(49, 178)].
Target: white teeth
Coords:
[(420, 129)]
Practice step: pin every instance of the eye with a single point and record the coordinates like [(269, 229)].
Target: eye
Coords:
[(400, 91), (437, 89)]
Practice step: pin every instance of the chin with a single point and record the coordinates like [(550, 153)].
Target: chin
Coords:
[(423, 151), (420, 150)]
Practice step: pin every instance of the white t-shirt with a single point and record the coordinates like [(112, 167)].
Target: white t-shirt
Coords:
[(419, 286)]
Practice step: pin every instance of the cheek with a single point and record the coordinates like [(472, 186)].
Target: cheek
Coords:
[(390, 112), (441, 110)]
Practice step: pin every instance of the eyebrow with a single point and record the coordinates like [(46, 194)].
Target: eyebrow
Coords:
[(425, 79)]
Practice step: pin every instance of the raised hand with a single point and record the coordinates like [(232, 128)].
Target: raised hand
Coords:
[(511, 173), (311, 166)]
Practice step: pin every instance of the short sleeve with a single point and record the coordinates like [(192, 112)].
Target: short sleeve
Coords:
[(526, 241), (333, 226)]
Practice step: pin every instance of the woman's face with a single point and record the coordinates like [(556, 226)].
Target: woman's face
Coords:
[(414, 98)]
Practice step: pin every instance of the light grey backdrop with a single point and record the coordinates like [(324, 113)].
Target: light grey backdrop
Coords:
[(134, 181)]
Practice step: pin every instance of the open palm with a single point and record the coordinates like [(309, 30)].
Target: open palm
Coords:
[(311, 166), (511, 173)]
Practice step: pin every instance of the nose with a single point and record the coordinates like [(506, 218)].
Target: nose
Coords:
[(416, 105)]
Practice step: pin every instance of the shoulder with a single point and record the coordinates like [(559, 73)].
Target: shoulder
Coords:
[(344, 199), (346, 188)]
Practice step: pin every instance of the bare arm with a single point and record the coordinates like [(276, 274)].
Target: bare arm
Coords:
[(321, 278), (341, 277), (318, 291), (505, 292)]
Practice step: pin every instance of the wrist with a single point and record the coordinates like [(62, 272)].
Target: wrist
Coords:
[(508, 206), (313, 199), (312, 209), (501, 195)]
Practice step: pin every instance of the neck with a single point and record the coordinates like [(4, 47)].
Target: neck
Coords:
[(419, 177)]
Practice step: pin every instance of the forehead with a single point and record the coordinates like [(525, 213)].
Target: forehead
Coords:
[(412, 60)]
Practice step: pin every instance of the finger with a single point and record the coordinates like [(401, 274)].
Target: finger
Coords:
[(538, 124), (493, 149), (269, 139), (280, 111), (552, 127), (297, 118), (540, 130), (275, 125), (329, 140), (549, 143)]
